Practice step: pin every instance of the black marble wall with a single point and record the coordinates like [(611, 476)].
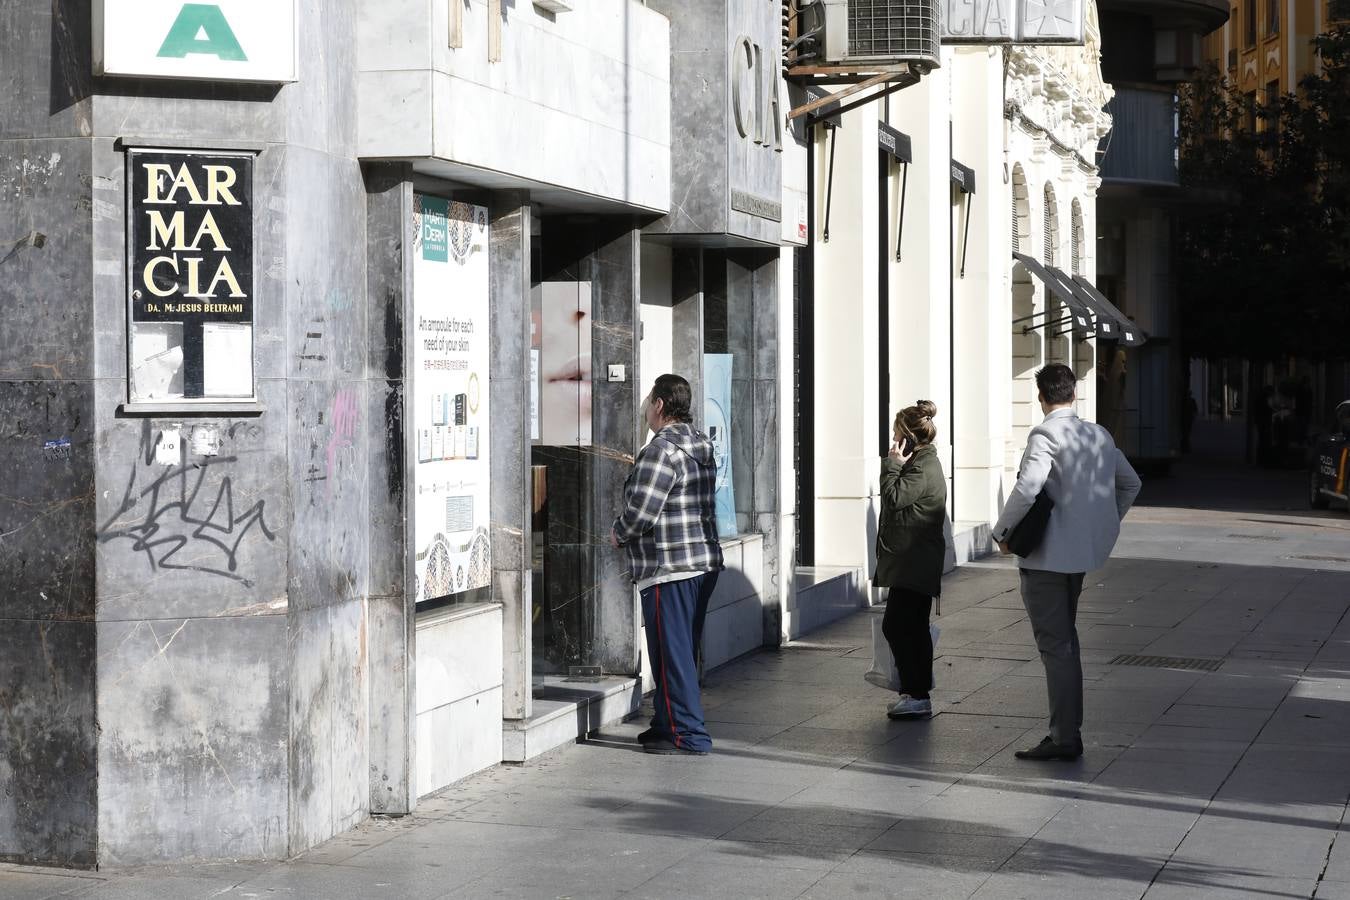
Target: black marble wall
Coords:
[(48, 731)]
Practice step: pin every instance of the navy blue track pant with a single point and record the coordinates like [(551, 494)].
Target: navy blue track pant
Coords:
[(674, 613)]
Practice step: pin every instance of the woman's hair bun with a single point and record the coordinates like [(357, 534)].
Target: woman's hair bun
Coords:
[(926, 408)]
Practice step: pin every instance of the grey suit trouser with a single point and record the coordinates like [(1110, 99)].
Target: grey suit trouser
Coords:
[(1051, 600)]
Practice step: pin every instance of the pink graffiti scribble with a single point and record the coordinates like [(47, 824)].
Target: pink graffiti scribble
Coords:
[(345, 419)]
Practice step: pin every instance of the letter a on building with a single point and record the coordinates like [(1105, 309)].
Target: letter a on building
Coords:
[(209, 40), (201, 28)]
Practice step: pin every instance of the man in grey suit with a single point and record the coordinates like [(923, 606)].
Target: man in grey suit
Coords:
[(1092, 486)]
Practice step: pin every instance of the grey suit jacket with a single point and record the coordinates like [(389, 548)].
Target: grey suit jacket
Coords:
[(1091, 483)]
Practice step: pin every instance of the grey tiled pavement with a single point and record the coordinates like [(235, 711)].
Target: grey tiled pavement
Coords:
[(1231, 783)]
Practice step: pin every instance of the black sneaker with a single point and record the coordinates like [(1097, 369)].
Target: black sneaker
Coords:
[(648, 736), (1047, 750), (664, 747)]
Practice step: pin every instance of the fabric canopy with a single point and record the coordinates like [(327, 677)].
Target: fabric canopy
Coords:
[(1128, 333), (1081, 313)]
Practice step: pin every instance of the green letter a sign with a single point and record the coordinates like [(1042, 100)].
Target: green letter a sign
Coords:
[(201, 28)]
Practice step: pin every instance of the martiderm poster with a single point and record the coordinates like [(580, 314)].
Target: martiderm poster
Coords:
[(450, 397)]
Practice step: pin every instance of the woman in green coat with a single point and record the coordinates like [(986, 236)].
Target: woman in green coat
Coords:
[(911, 550)]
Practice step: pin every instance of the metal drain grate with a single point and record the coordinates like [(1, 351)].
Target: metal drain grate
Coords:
[(1193, 663), (1341, 559), (1257, 537)]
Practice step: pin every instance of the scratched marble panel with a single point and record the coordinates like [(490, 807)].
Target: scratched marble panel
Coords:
[(329, 757), (391, 714), (48, 743), (48, 75), (388, 264), (46, 201), (320, 108), (271, 265), (46, 491), (700, 49), (329, 477), (384, 412), (765, 318), (615, 287), (192, 756), (325, 265), (109, 252), (565, 609), (198, 535)]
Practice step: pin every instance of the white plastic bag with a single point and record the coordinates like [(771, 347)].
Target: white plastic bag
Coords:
[(883, 673)]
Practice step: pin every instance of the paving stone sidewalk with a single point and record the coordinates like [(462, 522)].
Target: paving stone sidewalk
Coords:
[(1195, 783)]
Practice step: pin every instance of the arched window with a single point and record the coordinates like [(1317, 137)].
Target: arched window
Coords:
[(1020, 211), (1051, 226), (1076, 246)]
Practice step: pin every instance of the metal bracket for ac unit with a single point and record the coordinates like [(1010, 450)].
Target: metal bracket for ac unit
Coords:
[(829, 184), (900, 225), (965, 240), (891, 79)]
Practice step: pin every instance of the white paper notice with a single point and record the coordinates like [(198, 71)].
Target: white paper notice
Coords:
[(227, 360), (160, 375), (204, 440), (169, 450)]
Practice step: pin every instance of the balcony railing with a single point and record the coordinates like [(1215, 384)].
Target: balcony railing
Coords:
[(1142, 145)]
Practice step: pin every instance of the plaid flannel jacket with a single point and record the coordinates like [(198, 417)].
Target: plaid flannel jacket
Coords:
[(669, 523)]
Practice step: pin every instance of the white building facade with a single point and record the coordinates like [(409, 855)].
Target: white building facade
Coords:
[(916, 293)]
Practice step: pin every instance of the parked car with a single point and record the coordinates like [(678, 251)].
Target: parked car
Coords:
[(1329, 473)]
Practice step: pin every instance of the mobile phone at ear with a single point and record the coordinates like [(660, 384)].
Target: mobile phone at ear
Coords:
[(905, 447)]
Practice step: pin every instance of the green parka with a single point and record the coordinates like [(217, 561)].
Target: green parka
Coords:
[(911, 544)]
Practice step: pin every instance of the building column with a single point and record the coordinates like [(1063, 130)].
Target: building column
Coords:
[(615, 275), (391, 643), (687, 328), (509, 393), (765, 419)]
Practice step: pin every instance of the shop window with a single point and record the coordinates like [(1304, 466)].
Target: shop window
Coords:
[(731, 282), (190, 276)]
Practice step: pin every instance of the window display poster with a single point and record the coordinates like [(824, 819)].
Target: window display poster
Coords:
[(450, 354), (561, 336), (717, 411)]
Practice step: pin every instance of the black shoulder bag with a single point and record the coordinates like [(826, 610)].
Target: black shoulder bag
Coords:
[(1028, 534)]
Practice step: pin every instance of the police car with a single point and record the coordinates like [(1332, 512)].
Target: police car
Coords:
[(1329, 474)]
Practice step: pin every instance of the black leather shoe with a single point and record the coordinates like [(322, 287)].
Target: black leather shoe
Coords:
[(1049, 750), (667, 748), (648, 736)]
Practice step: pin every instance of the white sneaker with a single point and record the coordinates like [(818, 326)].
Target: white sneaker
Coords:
[(909, 708)]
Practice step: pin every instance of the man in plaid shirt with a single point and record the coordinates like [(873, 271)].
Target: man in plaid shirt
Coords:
[(669, 528)]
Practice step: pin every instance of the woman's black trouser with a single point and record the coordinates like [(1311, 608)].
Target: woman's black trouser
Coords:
[(906, 628)]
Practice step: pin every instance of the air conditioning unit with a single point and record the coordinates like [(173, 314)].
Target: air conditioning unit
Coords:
[(881, 31)]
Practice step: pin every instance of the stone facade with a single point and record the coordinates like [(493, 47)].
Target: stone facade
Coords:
[(218, 655)]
